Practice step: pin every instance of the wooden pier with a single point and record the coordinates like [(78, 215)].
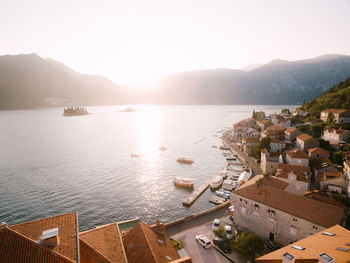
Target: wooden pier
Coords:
[(189, 200)]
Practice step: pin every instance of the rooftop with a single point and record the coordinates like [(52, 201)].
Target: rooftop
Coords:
[(329, 241), (275, 127), (336, 111), (251, 139), (318, 150), (337, 131), (311, 210), (299, 176), (292, 167), (321, 163), (296, 153), (304, 137)]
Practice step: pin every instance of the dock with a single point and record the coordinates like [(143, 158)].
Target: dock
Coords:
[(189, 200)]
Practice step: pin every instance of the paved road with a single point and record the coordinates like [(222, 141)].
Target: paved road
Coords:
[(255, 167), (197, 221)]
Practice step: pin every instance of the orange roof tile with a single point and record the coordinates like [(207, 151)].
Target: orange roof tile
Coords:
[(299, 176), (311, 210), (251, 140), (296, 153), (321, 163), (17, 248), (273, 140), (304, 137), (67, 232), (320, 196), (106, 240), (90, 255), (149, 244), (275, 128), (318, 150), (292, 167), (315, 245)]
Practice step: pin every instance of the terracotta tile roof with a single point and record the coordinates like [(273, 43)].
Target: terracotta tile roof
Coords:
[(90, 255), (17, 248), (336, 111), (251, 140), (276, 141), (311, 210), (296, 153), (264, 122), (315, 245), (299, 176), (329, 175), (320, 196), (106, 240), (67, 232), (149, 244), (290, 130), (318, 150), (304, 137), (266, 180), (275, 128), (321, 163), (292, 167)]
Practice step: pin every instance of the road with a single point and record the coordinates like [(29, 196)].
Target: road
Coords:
[(252, 164)]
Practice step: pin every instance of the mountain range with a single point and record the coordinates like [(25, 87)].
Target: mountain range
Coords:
[(29, 81)]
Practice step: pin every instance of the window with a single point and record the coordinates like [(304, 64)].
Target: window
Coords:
[(256, 215), (314, 227), (271, 221), (295, 219), (271, 212), (256, 206), (328, 234)]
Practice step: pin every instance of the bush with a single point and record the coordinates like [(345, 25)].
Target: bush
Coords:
[(220, 232), (248, 244), (178, 244)]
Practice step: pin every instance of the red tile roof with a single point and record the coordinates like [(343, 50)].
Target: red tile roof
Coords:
[(322, 163), (149, 244), (67, 232), (275, 128), (292, 167), (296, 153), (106, 240), (251, 140), (90, 255), (311, 210), (320, 196), (318, 150), (17, 248), (299, 176), (304, 137)]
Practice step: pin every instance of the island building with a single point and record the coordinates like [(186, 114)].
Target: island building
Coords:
[(339, 116), (291, 134), (327, 246), (248, 143), (57, 239), (336, 135), (317, 152), (305, 142), (264, 207)]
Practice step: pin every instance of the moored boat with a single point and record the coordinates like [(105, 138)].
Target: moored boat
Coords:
[(228, 185), (216, 181), (183, 182), (75, 111), (184, 159), (216, 200)]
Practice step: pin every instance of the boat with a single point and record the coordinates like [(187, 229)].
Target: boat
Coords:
[(222, 147), (135, 155), (231, 159), (224, 194), (183, 159), (216, 181), (223, 173), (216, 200), (229, 185), (75, 111), (128, 109), (183, 182), (214, 146), (162, 148)]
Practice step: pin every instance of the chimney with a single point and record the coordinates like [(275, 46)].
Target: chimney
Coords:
[(50, 237), (3, 225)]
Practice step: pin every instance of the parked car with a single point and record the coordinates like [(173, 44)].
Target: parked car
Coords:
[(222, 244), (216, 224), (203, 241), (228, 231)]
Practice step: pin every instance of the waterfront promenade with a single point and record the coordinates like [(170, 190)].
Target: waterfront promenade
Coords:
[(241, 155)]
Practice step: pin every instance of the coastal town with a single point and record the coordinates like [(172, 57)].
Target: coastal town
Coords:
[(288, 203)]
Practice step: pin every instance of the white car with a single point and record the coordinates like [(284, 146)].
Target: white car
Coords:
[(228, 231), (203, 241), (216, 224)]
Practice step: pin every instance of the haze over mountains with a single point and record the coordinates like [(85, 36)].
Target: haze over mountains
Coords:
[(29, 81)]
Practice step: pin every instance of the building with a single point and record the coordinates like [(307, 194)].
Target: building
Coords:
[(274, 132), (332, 181), (317, 152), (263, 124), (248, 143), (300, 113), (291, 134), (303, 169), (336, 135), (262, 206), (269, 161), (322, 164), (250, 132), (240, 129), (305, 142), (339, 116), (57, 239), (297, 157), (298, 182), (329, 245), (260, 115), (323, 197), (276, 145)]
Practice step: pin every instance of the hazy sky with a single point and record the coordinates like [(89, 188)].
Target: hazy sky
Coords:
[(133, 42)]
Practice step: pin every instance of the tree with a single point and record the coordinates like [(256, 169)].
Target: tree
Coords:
[(287, 111), (255, 151), (254, 115), (248, 244), (178, 244), (330, 118), (265, 143), (338, 157)]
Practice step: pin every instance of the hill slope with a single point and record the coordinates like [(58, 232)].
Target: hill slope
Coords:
[(337, 97)]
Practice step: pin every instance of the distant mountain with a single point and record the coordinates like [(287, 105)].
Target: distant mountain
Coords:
[(252, 66), (337, 97), (28, 81)]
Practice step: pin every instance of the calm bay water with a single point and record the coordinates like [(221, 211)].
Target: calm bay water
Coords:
[(50, 164)]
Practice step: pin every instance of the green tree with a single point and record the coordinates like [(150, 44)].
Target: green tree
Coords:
[(255, 151), (220, 232), (330, 118), (178, 244), (287, 111), (248, 244), (254, 115), (265, 143), (338, 157)]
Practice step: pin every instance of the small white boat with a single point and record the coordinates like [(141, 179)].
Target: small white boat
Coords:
[(216, 200), (183, 159), (134, 155), (183, 182), (216, 182), (223, 173), (222, 147), (229, 185), (162, 148), (224, 194)]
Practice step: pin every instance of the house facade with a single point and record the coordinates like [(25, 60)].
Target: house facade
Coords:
[(248, 143), (336, 135), (277, 145), (298, 182), (339, 116), (291, 134), (305, 142), (297, 157), (269, 161)]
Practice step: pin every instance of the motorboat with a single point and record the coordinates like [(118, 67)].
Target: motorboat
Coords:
[(216, 200), (228, 185), (183, 159), (222, 147), (223, 173), (224, 194), (183, 182), (216, 181)]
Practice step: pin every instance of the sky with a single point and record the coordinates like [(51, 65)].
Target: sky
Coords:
[(135, 42)]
